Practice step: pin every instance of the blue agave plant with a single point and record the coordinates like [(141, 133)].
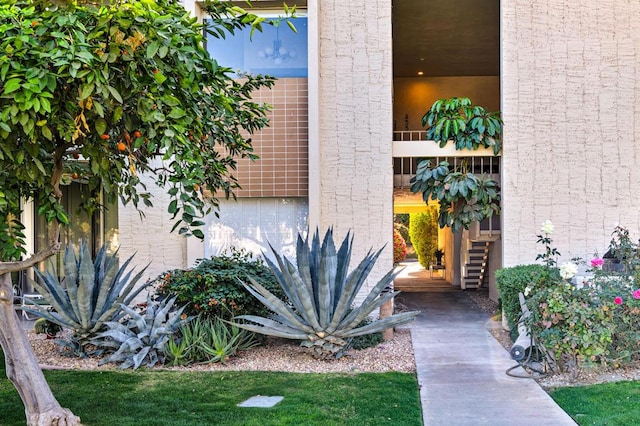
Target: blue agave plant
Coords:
[(322, 292)]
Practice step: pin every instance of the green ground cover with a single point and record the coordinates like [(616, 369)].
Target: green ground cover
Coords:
[(195, 398), (602, 404)]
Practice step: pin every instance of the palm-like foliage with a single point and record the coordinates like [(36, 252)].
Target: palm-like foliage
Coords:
[(322, 292), (91, 293)]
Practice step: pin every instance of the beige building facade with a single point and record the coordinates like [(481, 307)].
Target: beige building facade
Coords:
[(568, 85)]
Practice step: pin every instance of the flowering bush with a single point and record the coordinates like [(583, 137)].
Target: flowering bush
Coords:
[(596, 322), (399, 247), (212, 288)]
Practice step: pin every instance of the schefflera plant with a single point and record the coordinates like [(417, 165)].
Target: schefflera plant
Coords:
[(322, 291)]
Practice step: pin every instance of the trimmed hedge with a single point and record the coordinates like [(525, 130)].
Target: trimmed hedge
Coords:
[(423, 231), (514, 280)]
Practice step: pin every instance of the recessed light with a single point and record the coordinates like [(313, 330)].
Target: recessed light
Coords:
[(420, 73)]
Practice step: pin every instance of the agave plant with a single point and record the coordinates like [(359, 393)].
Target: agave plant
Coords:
[(92, 292), (142, 337), (322, 293)]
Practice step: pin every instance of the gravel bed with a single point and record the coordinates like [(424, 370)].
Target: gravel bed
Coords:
[(275, 355)]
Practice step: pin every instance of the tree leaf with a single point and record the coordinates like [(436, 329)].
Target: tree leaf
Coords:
[(101, 126), (116, 95), (12, 85), (152, 49)]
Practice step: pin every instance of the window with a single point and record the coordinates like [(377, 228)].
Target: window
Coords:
[(276, 51), (101, 227)]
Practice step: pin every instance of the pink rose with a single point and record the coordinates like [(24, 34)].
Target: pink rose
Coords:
[(636, 294), (596, 262), (618, 300)]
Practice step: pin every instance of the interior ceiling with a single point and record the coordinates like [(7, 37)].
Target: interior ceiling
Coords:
[(446, 37)]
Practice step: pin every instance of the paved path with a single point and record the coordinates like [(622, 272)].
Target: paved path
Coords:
[(461, 369)]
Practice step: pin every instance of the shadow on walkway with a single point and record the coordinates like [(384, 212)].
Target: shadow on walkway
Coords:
[(461, 368)]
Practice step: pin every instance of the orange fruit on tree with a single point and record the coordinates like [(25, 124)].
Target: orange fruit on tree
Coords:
[(104, 137), (75, 176), (137, 134), (121, 146)]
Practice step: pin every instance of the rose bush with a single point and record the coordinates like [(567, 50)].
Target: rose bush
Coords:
[(594, 321)]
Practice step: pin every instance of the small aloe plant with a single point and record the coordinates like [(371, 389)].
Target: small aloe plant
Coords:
[(322, 293), (92, 292)]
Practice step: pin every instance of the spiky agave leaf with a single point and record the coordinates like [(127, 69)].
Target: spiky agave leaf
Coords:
[(322, 292), (276, 305), (141, 338), (91, 293)]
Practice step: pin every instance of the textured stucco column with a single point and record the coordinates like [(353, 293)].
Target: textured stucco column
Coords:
[(150, 237), (351, 175), (571, 107)]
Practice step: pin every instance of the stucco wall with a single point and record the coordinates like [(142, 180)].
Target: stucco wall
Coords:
[(353, 165), (571, 106), (150, 237)]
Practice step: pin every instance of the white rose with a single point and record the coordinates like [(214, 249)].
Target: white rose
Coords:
[(527, 291), (547, 227), (568, 270)]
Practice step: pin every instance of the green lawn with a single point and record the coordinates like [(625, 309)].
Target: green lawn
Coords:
[(605, 404), (201, 398)]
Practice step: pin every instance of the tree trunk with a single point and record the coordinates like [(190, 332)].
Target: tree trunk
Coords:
[(41, 407)]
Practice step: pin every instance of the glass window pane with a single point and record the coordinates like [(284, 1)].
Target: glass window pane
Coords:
[(277, 51)]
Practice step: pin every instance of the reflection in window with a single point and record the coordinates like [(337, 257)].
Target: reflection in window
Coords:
[(277, 51)]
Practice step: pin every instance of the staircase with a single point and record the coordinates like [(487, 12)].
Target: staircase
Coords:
[(475, 265)]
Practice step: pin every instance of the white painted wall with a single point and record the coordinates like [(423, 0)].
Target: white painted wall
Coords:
[(571, 107)]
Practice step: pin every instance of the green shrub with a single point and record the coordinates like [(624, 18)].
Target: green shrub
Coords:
[(514, 280), (423, 231), (595, 321), (366, 341), (574, 325), (213, 287)]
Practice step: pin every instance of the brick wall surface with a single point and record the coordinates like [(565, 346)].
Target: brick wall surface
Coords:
[(355, 125), (571, 106), (282, 170)]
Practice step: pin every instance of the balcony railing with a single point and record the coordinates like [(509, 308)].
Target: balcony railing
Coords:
[(410, 135), (414, 143), (404, 168)]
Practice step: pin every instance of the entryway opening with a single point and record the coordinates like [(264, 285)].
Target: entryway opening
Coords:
[(444, 49)]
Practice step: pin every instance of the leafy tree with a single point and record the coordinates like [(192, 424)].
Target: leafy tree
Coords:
[(101, 94)]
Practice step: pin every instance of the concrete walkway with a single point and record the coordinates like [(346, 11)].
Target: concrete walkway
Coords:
[(461, 369)]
